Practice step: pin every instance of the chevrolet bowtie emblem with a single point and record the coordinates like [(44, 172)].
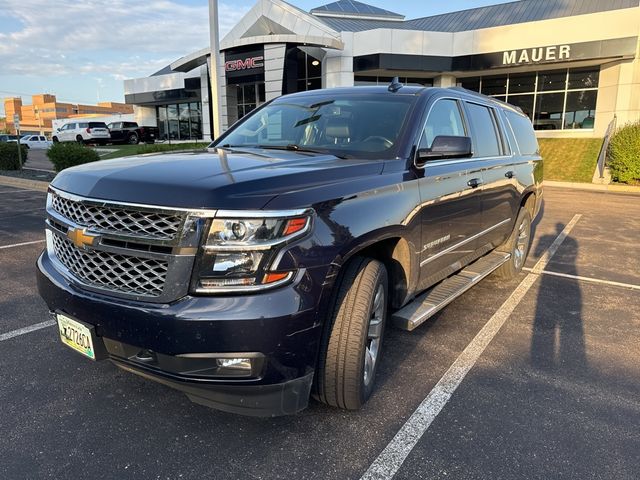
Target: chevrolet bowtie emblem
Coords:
[(80, 237)]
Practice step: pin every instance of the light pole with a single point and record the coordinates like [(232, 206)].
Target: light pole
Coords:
[(214, 71)]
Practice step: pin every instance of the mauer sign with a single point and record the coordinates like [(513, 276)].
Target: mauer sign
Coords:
[(245, 63), (538, 55)]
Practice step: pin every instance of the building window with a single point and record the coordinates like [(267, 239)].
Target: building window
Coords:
[(363, 81), (554, 100), (180, 121), (303, 69)]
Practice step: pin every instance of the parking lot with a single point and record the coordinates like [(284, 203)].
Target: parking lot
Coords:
[(549, 389)]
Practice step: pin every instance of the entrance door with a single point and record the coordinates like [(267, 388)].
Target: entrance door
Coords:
[(451, 207)]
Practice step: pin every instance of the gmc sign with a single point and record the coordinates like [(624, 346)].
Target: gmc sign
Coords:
[(244, 64)]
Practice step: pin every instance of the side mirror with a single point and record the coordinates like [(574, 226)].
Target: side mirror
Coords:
[(445, 146)]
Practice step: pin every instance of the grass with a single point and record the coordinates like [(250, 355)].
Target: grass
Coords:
[(570, 159), (141, 149)]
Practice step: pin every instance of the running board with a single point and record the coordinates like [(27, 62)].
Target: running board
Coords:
[(439, 296)]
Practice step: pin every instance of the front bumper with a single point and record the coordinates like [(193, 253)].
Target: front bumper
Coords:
[(281, 326)]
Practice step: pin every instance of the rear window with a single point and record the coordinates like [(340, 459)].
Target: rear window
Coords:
[(523, 130), (484, 131), (97, 125)]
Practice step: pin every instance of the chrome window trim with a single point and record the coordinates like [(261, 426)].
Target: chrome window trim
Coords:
[(463, 242)]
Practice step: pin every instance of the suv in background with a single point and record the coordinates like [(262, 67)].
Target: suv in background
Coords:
[(82, 132), (8, 138), (264, 271), (131, 133)]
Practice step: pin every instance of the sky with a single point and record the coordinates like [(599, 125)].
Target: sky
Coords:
[(82, 50)]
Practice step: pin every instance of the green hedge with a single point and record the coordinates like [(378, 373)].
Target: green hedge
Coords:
[(624, 154), (65, 155), (9, 156)]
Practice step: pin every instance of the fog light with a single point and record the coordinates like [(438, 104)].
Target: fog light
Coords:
[(239, 366)]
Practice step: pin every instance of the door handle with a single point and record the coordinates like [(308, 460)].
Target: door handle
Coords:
[(509, 174), (474, 182)]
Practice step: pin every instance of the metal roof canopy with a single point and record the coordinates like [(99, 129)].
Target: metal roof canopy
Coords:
[(521, 11)]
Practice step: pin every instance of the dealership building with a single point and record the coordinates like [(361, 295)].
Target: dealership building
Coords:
[(571, 65)]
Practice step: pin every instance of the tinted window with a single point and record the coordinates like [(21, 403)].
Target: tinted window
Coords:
[(484, 131), (444, 119), (97, 125), (523, 131), (43, 139), (83, 125)]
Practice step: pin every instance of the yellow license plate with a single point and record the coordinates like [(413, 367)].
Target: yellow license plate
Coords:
[(75, 335)]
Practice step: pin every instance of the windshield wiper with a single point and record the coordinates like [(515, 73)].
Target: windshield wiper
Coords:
[(297, 148)]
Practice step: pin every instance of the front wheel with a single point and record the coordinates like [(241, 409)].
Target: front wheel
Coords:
[(351, 347), (55, 140), (132, 139), (517, 245)]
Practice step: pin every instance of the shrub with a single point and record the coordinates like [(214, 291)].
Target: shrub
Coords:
[(9, 156), (65, 155), (624, 154)]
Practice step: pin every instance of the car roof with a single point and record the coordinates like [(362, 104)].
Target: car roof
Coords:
[(458, 92)]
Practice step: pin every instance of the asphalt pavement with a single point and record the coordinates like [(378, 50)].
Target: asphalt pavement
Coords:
[(555, 393)]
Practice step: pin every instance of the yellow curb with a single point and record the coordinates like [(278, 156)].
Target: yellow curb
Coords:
[(24, 183), (594, 187)]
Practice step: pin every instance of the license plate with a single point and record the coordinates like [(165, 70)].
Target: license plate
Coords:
[(76, 335)]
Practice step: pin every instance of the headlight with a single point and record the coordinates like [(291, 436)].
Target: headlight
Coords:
[(238, 250)]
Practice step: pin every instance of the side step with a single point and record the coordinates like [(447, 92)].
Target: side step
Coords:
[(439, 296)]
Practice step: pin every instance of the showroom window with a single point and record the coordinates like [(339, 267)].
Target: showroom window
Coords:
[(181, 121), (303, 69), (554, 100), (249, 96)]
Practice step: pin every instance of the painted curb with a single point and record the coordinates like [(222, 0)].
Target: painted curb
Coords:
[(24, 183), (593, 187)]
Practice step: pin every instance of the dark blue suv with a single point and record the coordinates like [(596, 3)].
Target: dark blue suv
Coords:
[(264, 270)]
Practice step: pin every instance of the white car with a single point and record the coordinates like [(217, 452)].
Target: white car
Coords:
[(36, 142), (82, 132)]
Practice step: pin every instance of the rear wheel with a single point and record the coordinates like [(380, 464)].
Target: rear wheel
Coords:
[(132, 139), (517, 245), (351, 347)]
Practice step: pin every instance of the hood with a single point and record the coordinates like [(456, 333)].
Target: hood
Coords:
[(214, 179)]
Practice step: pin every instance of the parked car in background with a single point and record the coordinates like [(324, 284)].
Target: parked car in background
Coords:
[(131, 133), (83, 132), (8, 138), (37, 142)]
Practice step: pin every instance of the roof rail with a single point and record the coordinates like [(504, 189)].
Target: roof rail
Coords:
[(473, 93)]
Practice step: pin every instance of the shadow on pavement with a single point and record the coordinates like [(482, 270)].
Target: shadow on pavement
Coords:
[(557, 340)]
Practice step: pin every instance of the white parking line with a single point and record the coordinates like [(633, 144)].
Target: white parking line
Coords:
[(29, 329), (22, 244), (588, 279), (393, 456)]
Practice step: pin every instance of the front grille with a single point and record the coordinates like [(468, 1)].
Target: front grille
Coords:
[(120, 273), (119, 220)]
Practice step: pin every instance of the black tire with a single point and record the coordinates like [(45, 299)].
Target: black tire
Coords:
[(133, 139), (518, 245), (55, 140), (79, 139), (342, 379)]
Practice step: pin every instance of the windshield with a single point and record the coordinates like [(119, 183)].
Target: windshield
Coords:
[(358, 126)]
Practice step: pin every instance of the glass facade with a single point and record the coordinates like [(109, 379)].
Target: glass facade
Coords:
[(182, 121), (249, 96), (554, 100), (303, 70)]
